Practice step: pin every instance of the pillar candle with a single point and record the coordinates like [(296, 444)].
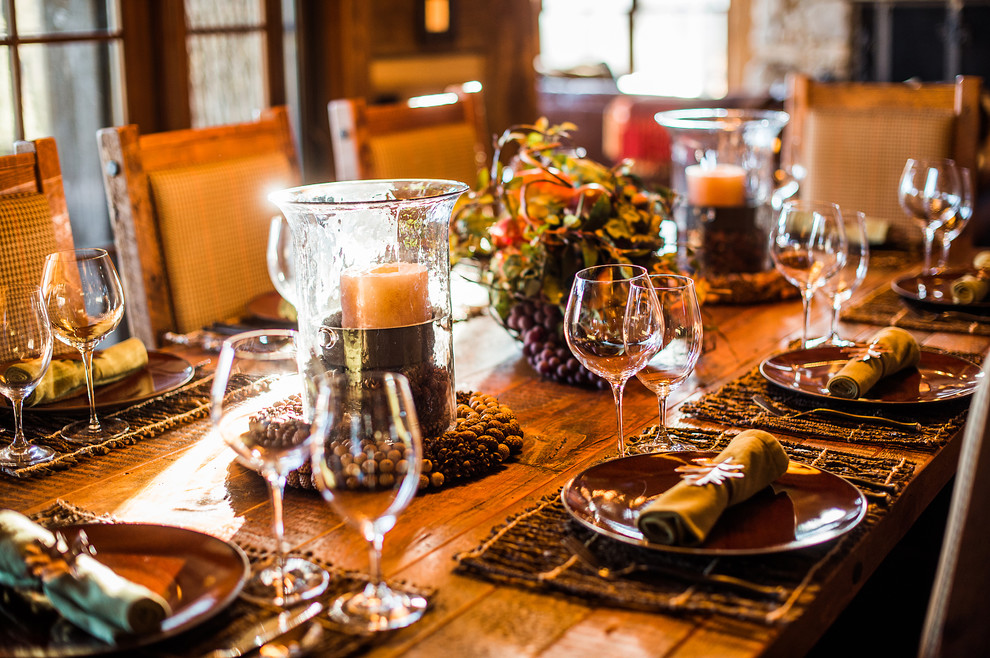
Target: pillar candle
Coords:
[(385, 295), (723, 185)]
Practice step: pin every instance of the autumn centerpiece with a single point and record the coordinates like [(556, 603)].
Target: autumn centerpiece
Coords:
[(541, 213)]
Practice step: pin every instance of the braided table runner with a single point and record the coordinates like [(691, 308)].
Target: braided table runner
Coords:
[(885, 307), (147, 419), (733, 405), (528, 550), (229, 623)]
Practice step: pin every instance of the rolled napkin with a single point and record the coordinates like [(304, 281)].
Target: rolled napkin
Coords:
[(891, 350), (685, 514), (66, 377), (96, 599), (969, 289)]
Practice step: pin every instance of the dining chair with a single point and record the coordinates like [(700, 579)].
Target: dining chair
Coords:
[(958, 610), (191, 215), (34, 218), (444, 138), (847, 142)]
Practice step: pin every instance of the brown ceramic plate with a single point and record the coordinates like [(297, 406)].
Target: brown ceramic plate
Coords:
[(265, 307), (804, 507), (164, 372), (199, 575), (934, 292), (937, 378)]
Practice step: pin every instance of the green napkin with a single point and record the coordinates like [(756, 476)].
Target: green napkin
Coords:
[(66, 377), (891, 350), (98, 601), (685, 514), (969, 289)]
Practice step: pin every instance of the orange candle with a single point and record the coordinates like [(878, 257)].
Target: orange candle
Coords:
[(386, 295), (721, 185)]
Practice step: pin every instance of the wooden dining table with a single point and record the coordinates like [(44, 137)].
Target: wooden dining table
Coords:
[(566, 429)]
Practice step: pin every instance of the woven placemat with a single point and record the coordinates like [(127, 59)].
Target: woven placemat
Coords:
[(733, 405), (146, 419), (885, 307), (229, 623), (528, 551)]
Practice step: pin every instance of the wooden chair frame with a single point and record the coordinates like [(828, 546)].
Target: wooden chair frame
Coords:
[(34, 167), (962, 96), (353, 122), (127, 158)]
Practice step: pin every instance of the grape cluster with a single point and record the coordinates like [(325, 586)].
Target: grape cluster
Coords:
[(540, 326)]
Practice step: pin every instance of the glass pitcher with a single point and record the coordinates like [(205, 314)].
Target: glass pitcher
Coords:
[(723, 163), (373, 283)]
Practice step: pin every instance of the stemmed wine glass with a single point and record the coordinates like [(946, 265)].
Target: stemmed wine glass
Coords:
[(613, 325), (808, 246), (955, 224), (367, 457), (839, 288), (281, 259), (85, 303), (25, 352), (256, 407), (930, 191), (682, 342)]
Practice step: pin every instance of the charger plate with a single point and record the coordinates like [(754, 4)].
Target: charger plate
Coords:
[(939, 376), (934, 292), (164, 372), (804, 507), (198, 574)]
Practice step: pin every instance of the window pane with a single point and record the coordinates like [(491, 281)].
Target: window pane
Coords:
[(681, 51), (223, 13), (36, 17), (69, 92), (570, 38), (226, 78), (7, 135), (4, 21)]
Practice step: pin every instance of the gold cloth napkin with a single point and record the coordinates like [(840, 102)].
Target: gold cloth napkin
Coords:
[(96, 599), (981, 260), (969, 289), (66, 377), (891, 350), (685, 514)]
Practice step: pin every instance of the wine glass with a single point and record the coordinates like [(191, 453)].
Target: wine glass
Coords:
[(682, 343), (839, 288), (808, 245), (955, 224), (612, 326), (930, 191), (367, 457), (25, 352), (281, 259), (85, 303), (257, 410)]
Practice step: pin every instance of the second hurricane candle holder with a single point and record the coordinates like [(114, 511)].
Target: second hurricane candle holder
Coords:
[(373, 283)]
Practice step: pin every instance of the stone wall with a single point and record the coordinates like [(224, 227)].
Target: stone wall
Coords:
[(810, 36)]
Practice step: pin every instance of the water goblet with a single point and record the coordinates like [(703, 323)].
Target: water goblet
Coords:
[(930, 191), (955, 224), (85, 302), (840, 287), (25, 352), (613, 327), (808, 246), (281, 259), (683, 333), (367, 456), (256, 408)]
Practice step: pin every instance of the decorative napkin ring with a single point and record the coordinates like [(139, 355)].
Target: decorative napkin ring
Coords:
[(871, 351), (49, 561), (710, 472)]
